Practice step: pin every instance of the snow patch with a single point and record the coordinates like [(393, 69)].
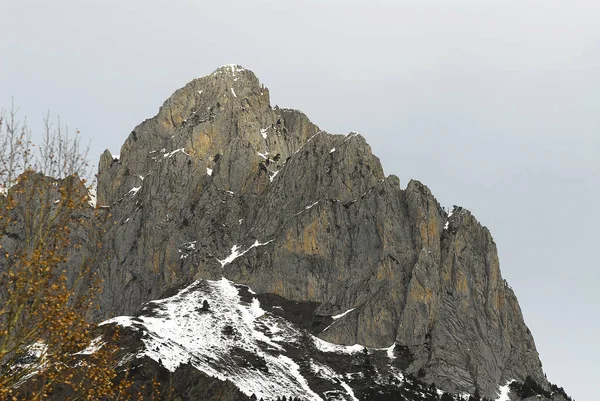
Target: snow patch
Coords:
[(351, 134), (92, 196), (186, 249), (308, 207), (123, 321), (134, 190), (448, 221), (233, 93), (209, 171), (341, 315), (94, 346), (34, 360), (390, 351), (504, 391), (235, 252), (37, 349), (264, 132), (332, 150), (232, 256), (324, 346), (167, 155), (274, 174), (348, 390)]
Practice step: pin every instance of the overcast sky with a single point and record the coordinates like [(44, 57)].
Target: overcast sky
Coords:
[(495, 105)]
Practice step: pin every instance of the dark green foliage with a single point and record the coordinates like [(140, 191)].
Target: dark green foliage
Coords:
[(403, 357), (410, 389), (447, 397), (529, 388), (559, 390), (229, 331), (476, 396), (247, 359)]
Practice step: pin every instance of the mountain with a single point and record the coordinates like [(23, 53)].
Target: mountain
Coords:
[(246, 252)]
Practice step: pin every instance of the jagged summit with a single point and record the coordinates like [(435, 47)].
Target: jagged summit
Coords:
[(232, 69), (228, 108), (219, 184)]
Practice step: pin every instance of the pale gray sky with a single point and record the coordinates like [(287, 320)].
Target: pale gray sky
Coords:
[(495, 105)]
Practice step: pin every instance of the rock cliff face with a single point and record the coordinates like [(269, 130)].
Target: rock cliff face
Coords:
[(311, 217)]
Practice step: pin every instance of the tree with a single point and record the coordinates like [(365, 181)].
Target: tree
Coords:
[(476, 396), (47, 343), (447, 397), (59, 155)]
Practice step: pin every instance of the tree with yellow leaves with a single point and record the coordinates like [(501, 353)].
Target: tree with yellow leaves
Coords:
[(48, 348)]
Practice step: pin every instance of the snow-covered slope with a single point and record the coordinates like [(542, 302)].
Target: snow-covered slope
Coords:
[(218, 341), (220, 329)]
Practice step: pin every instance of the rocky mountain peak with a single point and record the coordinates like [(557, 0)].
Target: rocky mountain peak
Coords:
[(219, 184), (225, 113)]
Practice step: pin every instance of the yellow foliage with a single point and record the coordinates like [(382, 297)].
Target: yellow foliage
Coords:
[(44, 310)]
